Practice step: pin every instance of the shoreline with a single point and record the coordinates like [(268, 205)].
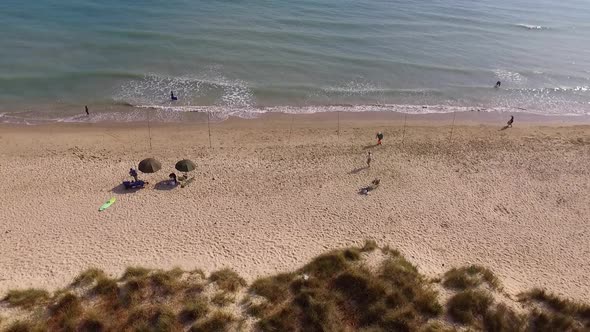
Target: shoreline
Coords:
[(133, 115), (472, 118), (275, 191)]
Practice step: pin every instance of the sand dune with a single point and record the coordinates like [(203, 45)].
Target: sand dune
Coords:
[(273, 193)]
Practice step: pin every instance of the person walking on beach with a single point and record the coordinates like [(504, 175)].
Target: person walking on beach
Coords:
[(511, 121), (369, 158), (379, 138), (86, 108)]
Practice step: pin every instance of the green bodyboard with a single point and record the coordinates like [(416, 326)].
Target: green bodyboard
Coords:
[(107, 204)]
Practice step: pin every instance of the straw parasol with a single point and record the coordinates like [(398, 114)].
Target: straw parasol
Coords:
[(185, 166), (149, 165)]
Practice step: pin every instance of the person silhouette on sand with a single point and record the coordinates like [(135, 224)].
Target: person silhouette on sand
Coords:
[(172, 96), (86, 109), (510, 122)]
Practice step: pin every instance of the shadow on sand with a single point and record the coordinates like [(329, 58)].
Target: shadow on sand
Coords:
[(165, 185), (370, 146), (120, 189), (358, 170), (504, 128)]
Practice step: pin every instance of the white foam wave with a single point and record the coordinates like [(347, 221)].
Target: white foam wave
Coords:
[(155, 90), (531, 27), (509, 76)]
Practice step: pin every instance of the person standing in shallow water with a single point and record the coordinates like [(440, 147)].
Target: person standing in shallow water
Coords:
[(498, 84), (86, 109), (172, 96)]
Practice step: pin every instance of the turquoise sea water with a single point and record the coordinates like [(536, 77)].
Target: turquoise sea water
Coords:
[(237, 56)]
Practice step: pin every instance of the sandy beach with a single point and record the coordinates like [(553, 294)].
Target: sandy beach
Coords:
[(273, 192)]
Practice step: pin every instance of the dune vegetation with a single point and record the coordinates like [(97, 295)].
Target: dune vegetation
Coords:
[(367, 289)]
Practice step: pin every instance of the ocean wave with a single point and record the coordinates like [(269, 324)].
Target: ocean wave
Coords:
[(154, 89), (510, 76), (531, 27)]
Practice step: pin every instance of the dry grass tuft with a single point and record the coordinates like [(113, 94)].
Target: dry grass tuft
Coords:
[(64, 312), (218, 322), (469, 306), (194, 309), (503, 319), (92, 322), (333, 292), (26, 298), (470, 277), (88, 277), (135, 272), (228, 280), (222, 299), (22, 326), (275, 288), (555, 313), (166, 282), (436, 326), (369, 246), (106, 287), (341, 294)]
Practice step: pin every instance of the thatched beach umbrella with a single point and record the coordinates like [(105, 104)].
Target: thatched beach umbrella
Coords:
[(185, 166), (149, 165)]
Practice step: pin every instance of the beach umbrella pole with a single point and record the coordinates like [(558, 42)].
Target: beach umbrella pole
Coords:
[(291, 128), (149, 128), (338, 124), (404, 130), (209, 128), (452, 127)]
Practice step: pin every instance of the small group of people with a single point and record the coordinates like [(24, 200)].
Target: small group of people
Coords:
[(174, 180)]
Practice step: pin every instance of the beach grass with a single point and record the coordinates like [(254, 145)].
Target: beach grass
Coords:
[(227, 280), (218, 322), (336, 291), (26, 298), (88, 277), (470, 277), (194, 309)]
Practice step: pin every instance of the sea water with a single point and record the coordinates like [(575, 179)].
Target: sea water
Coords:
[(246, 57)]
